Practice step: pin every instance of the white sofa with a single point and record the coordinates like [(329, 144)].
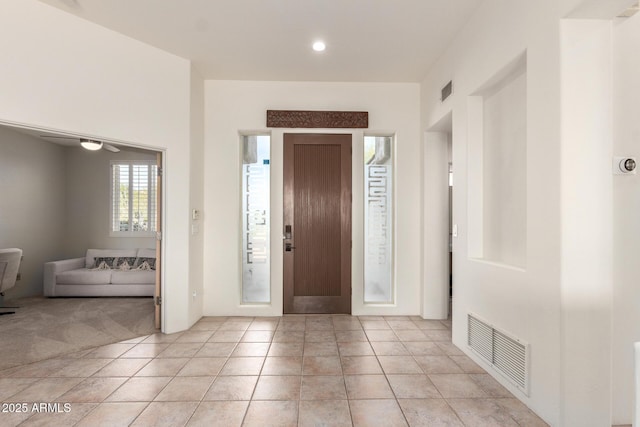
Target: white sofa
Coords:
[(79, 277)]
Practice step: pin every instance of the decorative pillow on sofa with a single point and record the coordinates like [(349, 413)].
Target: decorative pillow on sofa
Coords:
[(125, 263), (104, 263), (146, 263)]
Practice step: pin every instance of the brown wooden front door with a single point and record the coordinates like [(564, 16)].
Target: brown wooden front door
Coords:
[(317, 218)]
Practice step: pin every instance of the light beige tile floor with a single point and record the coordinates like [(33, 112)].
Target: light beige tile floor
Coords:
[(295, 370)]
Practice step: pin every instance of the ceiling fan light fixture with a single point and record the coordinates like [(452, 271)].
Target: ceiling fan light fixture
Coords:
[(91, 145)]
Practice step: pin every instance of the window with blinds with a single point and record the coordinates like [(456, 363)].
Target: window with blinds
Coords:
[(133, 198)]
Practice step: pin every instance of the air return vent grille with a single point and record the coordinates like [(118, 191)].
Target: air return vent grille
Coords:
[(507, 355)]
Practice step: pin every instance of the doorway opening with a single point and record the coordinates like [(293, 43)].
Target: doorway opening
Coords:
[(52, 174), (450, 215), (440, 229)]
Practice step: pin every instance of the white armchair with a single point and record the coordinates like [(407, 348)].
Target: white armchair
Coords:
[(9, 266)]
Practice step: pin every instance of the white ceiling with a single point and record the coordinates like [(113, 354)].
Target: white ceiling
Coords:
[(367, 40)]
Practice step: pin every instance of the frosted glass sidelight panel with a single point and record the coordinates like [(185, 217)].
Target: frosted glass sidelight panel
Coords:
[(255, 219), (378, 205)]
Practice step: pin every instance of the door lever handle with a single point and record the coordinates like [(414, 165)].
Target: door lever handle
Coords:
[(288, 247)]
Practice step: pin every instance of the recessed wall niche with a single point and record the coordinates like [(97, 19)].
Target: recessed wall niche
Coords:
[(498, 167)]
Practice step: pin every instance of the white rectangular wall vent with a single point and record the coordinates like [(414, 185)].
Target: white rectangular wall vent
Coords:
[(506, 354)]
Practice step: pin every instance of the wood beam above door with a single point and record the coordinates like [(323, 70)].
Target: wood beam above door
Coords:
[(317, 119)]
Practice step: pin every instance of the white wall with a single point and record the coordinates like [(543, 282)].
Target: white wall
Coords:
[(88, 196), (232, 107), (63, 73), (561, 303), (522, 302), (32, 205), (626, 214)]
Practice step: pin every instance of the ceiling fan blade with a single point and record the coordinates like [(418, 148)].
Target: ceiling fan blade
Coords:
[(107, 147), (73, 4), (111, 148), (71, 138)]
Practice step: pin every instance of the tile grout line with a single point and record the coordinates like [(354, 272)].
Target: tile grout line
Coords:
[(404, 416), (443, 398), (214, 380), (343, 379), (246, 412)]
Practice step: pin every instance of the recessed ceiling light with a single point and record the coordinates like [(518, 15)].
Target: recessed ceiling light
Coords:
[(319, 46)]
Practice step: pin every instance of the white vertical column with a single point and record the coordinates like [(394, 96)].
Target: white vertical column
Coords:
[(587, 234)]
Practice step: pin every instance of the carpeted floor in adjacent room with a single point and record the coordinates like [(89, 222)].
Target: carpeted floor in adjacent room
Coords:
[(43, 328)]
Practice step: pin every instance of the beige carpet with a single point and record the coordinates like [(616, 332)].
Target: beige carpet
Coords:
[(43, 328)]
